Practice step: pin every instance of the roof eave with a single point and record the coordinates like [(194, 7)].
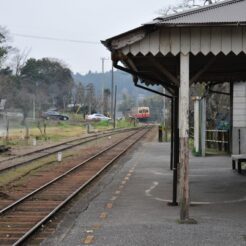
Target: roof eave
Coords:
[(196, 10), (145, 28), (219, 24)]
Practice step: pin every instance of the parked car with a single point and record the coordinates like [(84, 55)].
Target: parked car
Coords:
[(97, 117), (54, 115)]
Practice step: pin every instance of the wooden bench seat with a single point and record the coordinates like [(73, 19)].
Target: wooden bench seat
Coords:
[(238, 159)]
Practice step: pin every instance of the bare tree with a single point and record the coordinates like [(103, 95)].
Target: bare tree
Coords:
[(185, 5), (18, 60), (90, 98), (79, 96)]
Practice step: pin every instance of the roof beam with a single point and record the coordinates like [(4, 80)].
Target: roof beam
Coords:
[(133, 66), (203, 70), (164, 71)]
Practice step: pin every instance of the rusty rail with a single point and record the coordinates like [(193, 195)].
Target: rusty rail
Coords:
[(67, 145), (59, 191)]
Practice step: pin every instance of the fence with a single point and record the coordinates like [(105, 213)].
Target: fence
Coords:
[(218, 139)]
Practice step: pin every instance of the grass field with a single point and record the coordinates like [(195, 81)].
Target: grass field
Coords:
[(55, 131)]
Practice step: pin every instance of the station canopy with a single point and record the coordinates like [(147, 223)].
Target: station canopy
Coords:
[(214, 37)]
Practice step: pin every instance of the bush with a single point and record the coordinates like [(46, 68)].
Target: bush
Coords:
[(62, 124), (102, 123)]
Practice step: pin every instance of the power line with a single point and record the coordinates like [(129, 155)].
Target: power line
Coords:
[(55, 39)]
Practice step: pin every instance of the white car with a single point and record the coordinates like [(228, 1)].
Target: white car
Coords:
[(97, 117)]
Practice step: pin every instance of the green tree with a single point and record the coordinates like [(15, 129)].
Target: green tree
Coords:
[(6, 78), (51, 78), (127, 103), (4, 49)]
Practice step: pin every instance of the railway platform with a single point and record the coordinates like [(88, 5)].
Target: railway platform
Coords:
[(128, 205)]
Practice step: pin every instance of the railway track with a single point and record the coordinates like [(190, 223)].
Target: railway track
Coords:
[(19, 220), (26, 158)]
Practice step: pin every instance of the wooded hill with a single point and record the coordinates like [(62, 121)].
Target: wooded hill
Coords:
[(122, 80)]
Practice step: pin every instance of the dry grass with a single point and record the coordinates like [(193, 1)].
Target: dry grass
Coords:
[(53, 134), (68, 131), (17, 174)]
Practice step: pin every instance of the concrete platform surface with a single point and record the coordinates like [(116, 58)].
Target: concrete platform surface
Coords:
[(128, 207)]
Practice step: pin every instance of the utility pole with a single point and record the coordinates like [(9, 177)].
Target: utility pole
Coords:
[(103, 85), (34, 108), (115, 100), (90, 93), (112, 91), (103, 59)]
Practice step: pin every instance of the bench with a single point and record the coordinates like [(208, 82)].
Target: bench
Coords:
[(238, 159)]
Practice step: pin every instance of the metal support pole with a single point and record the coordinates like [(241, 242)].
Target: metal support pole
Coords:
[(231, 117), (172, 132), (175, 149), (160, 134), (164, 107)]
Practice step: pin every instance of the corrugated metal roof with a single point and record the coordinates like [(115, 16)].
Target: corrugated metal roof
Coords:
[(226, 12)]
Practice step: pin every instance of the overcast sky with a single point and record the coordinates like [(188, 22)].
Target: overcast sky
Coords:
[(84, 20)]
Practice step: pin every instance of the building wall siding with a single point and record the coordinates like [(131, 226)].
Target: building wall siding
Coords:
[(239, 118), (239, 105), (235, 145)]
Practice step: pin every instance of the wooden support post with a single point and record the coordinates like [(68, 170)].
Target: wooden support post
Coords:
[(197, 124), (184, 137), (203, 126), (200, 125)]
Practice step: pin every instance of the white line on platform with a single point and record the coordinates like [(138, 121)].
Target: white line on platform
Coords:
[(155, 184), (147, 192)]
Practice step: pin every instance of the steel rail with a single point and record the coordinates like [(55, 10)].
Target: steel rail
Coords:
[(63, 203), (4, 210), (60, 144), (86, 140)]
